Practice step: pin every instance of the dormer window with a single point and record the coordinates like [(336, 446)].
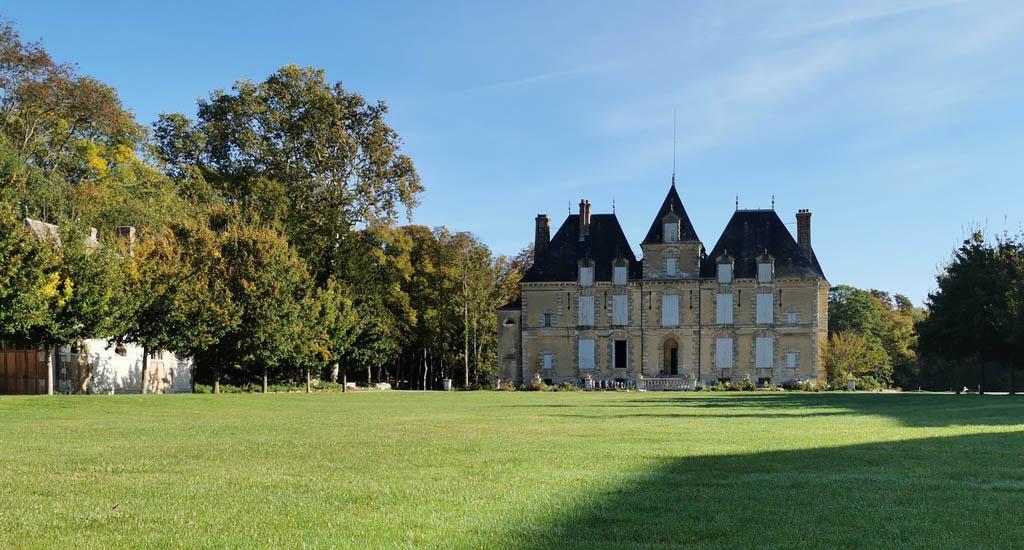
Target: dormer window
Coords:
[(620, 274), (765, 269), (724, 269), (671, 231), (586, 273)]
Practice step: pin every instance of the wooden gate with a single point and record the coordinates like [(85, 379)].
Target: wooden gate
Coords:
[(22, 372)]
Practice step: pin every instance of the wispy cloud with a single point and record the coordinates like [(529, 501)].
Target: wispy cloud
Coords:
[(539, 78), (865, 12)]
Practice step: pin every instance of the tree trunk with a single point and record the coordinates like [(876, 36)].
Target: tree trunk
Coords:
[(145, 370), (216, 383), (264, 379), (344, 378), (308, 386), (334, 373), (465, 338), (981, 385), (369, 376), (51, 367)]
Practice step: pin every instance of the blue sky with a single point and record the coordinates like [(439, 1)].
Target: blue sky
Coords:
[(898, 123)]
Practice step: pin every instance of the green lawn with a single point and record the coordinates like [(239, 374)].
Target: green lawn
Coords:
[(492, 469)]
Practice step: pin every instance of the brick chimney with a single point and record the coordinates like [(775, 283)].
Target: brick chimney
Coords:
[(584, 219), (803, 231), (541, 236)]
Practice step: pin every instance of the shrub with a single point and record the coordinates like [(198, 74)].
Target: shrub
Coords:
[(565, 386), (747, 385), (868, 383)]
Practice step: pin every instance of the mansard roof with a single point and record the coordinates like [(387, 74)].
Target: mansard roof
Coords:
[(672, 203), (752, 232), (605, 243)]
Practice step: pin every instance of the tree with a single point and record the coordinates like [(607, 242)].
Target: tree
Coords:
[(267, 283), (849, 356), (176, 298), (28, 279), (336, 161), (973, 315)]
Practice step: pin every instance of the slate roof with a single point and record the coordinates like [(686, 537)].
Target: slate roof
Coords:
[(605, 243), (672, 203), (514, 304), (746, 237)]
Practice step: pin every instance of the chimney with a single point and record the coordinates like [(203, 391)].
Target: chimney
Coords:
[(542, 236), (803, 231), (126, 232), (584, 219)]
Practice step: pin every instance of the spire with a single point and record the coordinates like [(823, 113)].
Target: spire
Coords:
[(673, 147), (672, 205)]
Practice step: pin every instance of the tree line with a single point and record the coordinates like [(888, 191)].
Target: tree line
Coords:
[(268, 244), (969, 334)]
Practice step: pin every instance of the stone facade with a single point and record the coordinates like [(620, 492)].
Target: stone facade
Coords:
[(754, 307)]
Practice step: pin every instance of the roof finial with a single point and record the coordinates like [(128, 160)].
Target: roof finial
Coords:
[(673, 147), (613, 206), (773, 201), (737, 202)]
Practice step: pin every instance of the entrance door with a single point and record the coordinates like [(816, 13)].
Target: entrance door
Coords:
[(671, 350)]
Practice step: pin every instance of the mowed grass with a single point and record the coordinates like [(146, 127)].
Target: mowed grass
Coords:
[(517, 470)]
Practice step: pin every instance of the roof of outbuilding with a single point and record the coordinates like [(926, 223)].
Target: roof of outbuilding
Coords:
[(751, 233), (672, 203), (514, 304), (605, 243)]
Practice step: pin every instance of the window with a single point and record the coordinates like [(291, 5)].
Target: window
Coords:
[(764, 272), (765, 315), (586, 275), (669, 310), (585, 311), (586, 350), (619, 275), (619, 354), (792, 359), (792, 317), (620, 309), (723, 309), (764, 352), (671, 232), (547, 319), (548, 360), (725, 273), (723, 353), (671, 265)]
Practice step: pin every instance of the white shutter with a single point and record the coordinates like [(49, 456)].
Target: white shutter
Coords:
[(764, 273), (765, 313), (671, 265), (764, 352), (586, 349), (585, 311), (792, 359), (587, 276), (669, 310), (549, 361), (620, 309), (619, 275), (723, 309), (725, 273), (723, 353)]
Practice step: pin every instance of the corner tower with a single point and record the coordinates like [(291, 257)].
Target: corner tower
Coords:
[(672, 249)]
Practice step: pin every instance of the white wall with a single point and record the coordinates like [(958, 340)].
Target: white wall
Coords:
[(121, 374)]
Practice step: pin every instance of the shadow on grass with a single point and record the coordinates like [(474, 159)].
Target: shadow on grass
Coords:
[(965, 491), (910, 409)]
